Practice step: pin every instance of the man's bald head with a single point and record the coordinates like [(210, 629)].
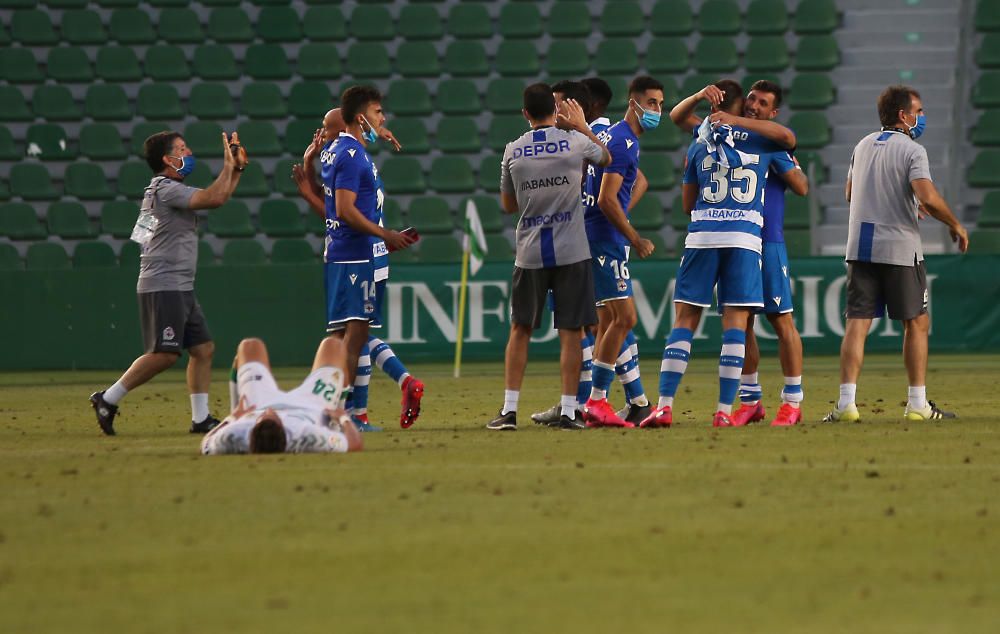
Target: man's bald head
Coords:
[(333, 124)]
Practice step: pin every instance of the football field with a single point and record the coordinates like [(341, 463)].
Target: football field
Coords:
[(879, 526)]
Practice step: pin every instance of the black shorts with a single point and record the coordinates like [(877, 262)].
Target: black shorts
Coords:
[(572, 287), (171, 321), (873, 288)]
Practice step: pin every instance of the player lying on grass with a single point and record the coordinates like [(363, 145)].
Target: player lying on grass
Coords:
[(264, 419)]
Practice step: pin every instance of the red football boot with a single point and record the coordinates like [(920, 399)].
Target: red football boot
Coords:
[(748, 414), (601, 414), (787, 416), (413, 391), (660, 417), (721, 419)]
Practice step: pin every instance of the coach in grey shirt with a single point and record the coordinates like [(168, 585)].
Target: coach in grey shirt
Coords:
[(540, 178), (171, 318), (889, 186)]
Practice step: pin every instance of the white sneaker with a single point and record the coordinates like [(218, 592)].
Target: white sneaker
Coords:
[(931, 412), (849, 414)]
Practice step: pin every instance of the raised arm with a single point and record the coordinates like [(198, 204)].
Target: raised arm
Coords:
[(571, 117), (683, 114), (234, 161), (767, 129)]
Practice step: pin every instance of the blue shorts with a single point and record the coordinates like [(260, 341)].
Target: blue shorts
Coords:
[(736, 271), (774, 277), (351, 294), (611, 276)]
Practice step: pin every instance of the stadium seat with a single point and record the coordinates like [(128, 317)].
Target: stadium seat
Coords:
[(798, 243), (814, 162), (371, 23), (159, 101), (293, 251), (458, 134), (142, 131), (80, 26), (133, 177), (282, 173), (279, 24), (498, 249), (314, 225), (68, 64), (280, 218), (719, 17), (18, 221), (418, 59), (985, 92), (647, 215), (439, 250), (985, 242), (262, 100), (420, 22), (101, 142), (984, 171), (253, 183), (310, 99), (616, 57), (180, 26), (118, 218), (430, 214), (215, 62), (230, 25), (715, 54), (672, 17), (520, 21), (267, 61), (663, 137), (231, 220), (166, 62), (817, 52), (299, 133), (676, 217), (988, 53), (131, 26), (4, 190), (568, 19), (118, 64), (319, 61), (8, 149), (46, 256), (86, 181), (452, 174), (106, 102), (466, 59), (55, 103), (49, 142), (204, 138), (409, 97), (392, 214), (13, 106), (667, 55), (403, 175), (505, 95), (457, 97), (368, 60), (324, 24), (121, 3), (766, 17), (796, 211), (489, 173), (19, 66), (412, 133), (816, 16), (504, 129), (987, 129), (206, 254), (405, 256), (987, 17), (32, 27), (766, 53), (94, 254), (9, 258), (811, 128), (517, 59), (566, 58), (469, 21), (811, 90), (211, 101), (243, 252), (490, 214), (660, 171), (624, 18), (989, 211)]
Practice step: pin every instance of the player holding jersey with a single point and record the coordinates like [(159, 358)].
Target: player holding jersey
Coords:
[(264, 419), (723, 189), (607, 195)]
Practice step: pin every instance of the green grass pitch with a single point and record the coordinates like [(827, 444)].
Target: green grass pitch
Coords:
[(882, 526)]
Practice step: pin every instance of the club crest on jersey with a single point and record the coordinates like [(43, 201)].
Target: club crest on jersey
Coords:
[(369, 308), (168, 334), (601, 259), (622, 285), (354, 278)]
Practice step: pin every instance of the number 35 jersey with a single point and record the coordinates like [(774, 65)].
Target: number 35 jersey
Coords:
[(729, 208)]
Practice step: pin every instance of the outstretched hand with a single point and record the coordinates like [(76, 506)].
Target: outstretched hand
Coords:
[(234, 154), (571, 116), (712, 94), (386, 135)]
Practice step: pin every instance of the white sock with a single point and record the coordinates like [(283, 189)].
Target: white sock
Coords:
[(792, 394), (665, 401), (567, 404), (403, 378), (510, 401), (848, 392), (917, 397), (115, 393), (640, 400), (749, 379), (725, 409), (199, 407)]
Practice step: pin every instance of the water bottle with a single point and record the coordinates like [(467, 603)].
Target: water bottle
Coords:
[(145, 224)]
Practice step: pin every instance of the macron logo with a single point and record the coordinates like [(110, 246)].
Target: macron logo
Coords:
[(600, 259), (354, 278), (777, 300), (628, 144), (351, 152)]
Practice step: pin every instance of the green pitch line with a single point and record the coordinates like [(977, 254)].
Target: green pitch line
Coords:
[(882, 526)]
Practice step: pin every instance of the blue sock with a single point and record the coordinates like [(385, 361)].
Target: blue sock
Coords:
[(587, 346), (627, 369), (359, 396), (603, 374), (676, 353), (387, 361), (750, 390), (730, 367)]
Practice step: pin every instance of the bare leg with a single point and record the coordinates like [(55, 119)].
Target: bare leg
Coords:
[(146, 367), (252, 349), (355, 337), (915, 349), (570, 359), (852, 349), (687, 315), (752, 359), (616, 319), (516, 356), (199, 368), (789, 344), (331, 353)]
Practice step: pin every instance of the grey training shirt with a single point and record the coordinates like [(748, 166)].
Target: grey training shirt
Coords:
[(170, 258), (883, 220), (543, 169)]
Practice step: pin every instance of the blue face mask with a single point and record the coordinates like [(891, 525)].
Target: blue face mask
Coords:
[(918, 127), (187, 164), (369, 135), (649, 119)]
